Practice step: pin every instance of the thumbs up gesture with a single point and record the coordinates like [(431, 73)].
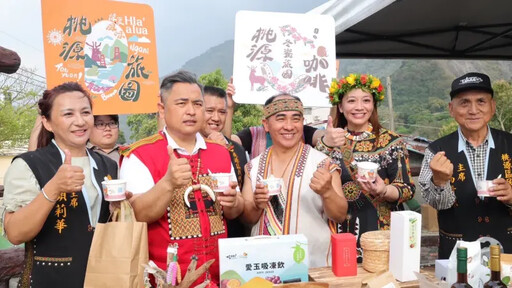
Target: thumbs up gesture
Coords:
[(334, 137), (68, 178), (178, 172), (321, 182)]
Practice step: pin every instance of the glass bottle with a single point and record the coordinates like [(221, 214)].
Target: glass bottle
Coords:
[(462, 268), (495, 280)]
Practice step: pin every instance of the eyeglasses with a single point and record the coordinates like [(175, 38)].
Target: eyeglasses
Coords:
[(102, 125)]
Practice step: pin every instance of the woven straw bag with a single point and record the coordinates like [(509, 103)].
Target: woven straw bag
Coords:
[(375, 246)]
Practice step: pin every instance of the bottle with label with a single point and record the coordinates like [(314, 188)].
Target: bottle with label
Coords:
[(495, 280), (462, 268)]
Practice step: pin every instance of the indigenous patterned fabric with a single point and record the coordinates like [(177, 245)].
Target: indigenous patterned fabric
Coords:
[(259, 141), (297, 209), (471, 217), (195, 229), (282, 105), (274, 217), (184, 221), (365, 212)]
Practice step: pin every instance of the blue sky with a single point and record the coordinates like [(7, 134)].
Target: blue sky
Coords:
[(184, 29)]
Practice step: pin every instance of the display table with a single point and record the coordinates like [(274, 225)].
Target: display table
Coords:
[(325, 275)]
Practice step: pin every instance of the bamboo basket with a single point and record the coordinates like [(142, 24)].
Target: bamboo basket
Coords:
[(375, 246)]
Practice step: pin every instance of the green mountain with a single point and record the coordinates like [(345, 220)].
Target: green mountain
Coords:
[(420, 88)]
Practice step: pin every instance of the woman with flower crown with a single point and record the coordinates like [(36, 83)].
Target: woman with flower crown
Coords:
[(355, 135)]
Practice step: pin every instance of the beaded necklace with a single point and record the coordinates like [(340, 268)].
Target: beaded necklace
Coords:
[(358, 136)]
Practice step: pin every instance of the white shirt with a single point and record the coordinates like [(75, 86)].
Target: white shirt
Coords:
[(137, 175)]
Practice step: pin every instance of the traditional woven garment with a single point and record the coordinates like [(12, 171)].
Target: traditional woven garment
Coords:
[(195, 229), (365, 212), (297, 209)]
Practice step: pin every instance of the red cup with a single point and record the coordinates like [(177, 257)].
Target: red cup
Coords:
[(344, 255)]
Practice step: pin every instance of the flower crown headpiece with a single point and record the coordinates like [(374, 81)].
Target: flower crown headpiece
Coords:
[(368, 83)]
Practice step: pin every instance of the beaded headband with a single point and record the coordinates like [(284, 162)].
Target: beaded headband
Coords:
[(280, 105)]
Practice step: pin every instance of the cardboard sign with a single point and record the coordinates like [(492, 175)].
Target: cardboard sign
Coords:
[(108, 47), (283, 53)]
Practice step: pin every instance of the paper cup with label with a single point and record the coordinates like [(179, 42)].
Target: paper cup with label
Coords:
[(220, 181), (367, 171), (273, 185), (482, 187), (114, 190)]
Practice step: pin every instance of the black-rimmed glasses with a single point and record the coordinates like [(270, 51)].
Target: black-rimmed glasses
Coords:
[(102, 125)]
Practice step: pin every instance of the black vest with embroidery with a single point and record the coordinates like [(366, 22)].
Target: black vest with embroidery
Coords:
[(239, 159), (470, 217), (57, 256)]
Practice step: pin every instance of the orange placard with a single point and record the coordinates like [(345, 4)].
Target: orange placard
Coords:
[(108, 47)]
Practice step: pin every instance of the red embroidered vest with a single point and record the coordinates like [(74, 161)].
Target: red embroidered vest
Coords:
[(196, 227)]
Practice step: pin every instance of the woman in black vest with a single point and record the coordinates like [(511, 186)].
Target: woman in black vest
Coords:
[(357, 136), (53, 198)]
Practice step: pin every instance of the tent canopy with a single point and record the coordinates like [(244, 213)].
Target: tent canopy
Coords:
[(453, 29)]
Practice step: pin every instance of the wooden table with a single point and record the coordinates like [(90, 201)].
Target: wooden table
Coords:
[(324, 274)]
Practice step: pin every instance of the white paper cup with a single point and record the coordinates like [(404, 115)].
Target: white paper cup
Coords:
[(221, 181), (273, 185), (114, 190), (482, 187), (367, 171)]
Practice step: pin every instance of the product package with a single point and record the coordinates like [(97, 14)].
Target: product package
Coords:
[(405, 245), (278, 259)]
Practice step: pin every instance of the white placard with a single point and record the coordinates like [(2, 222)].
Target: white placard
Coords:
[(283, 53)]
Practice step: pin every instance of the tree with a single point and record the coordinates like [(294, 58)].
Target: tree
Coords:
[(245, 115), (19, 93), (215, 78), (448, 128), (142, 125), (121, 139), (503, 96)]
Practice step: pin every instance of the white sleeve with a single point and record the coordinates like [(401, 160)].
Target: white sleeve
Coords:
[(233, 176), (137, 175)]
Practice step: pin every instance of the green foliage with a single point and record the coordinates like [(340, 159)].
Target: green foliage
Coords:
[(142, 125), (215, 79), (447, 128), (121, 139), (246, 115), (18, 97), (503, 96)]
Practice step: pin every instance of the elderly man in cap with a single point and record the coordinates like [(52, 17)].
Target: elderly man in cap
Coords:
[(310, 191), (455, 165)]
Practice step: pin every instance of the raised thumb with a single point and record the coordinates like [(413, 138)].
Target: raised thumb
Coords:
[(67, 157), (329, 122), (172, 156)]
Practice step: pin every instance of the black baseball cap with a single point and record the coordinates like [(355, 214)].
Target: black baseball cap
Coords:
[(471, 81)]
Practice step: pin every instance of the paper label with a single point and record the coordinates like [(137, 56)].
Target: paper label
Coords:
[(346, 257), (412, 232)]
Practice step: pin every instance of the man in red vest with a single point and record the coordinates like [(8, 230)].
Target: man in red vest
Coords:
[(169, 175)]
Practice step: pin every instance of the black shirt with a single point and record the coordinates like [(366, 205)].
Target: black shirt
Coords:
[(246, 137)]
